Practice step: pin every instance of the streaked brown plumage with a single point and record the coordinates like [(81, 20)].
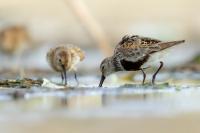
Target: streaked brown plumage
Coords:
[(65, 58), (131, 53)]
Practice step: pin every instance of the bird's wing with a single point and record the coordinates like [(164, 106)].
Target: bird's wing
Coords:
[(149, 41), (134, 48)]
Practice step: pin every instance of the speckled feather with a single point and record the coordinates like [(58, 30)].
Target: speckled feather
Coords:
[(135, 48)]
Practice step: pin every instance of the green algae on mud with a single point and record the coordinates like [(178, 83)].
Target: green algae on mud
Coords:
[(21, 83), (28, 83)]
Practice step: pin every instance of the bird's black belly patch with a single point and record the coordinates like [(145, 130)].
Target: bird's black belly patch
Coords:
[(133, 66)]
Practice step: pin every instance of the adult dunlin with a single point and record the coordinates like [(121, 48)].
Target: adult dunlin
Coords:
[(131, 53)]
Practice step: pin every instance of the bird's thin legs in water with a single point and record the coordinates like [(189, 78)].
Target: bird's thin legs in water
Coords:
[(75, 76), (65, 77), (154, 76), (64, 73), (62, 76), (19, 65), (144, 76)]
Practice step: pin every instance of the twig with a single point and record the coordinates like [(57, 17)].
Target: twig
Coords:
[(91, 25)]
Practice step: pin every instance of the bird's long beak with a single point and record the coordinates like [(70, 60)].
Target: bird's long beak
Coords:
[(102, 80)]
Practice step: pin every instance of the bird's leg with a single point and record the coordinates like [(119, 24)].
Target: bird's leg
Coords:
[(62, 76), (19, 66), (75, 76), (64, 73), (154, 76), (144, 75), (65, 77)]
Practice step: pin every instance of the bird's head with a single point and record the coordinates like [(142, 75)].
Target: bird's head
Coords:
[(63, 59), (106, 69), (61, 56)]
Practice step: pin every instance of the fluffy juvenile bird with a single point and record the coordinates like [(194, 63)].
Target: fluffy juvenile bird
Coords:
[(65, 58), (131, 53)]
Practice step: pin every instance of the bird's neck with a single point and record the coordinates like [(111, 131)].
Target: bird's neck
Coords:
[(116, 65)]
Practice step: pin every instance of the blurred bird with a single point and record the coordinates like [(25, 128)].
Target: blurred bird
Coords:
[(65, 58), (13, 41), (131, 53)]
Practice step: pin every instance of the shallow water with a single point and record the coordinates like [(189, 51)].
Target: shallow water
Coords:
[(113, 108), (129, 101)]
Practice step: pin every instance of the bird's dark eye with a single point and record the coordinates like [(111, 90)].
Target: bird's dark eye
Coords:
[(59, 60)]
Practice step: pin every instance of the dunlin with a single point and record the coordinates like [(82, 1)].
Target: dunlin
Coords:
[(14, 41), (65, 58), (131, 53)]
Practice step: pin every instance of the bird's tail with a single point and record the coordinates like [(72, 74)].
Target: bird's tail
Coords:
[(165, 45)]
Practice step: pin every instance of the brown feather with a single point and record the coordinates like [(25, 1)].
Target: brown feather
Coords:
[(165, 45)]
